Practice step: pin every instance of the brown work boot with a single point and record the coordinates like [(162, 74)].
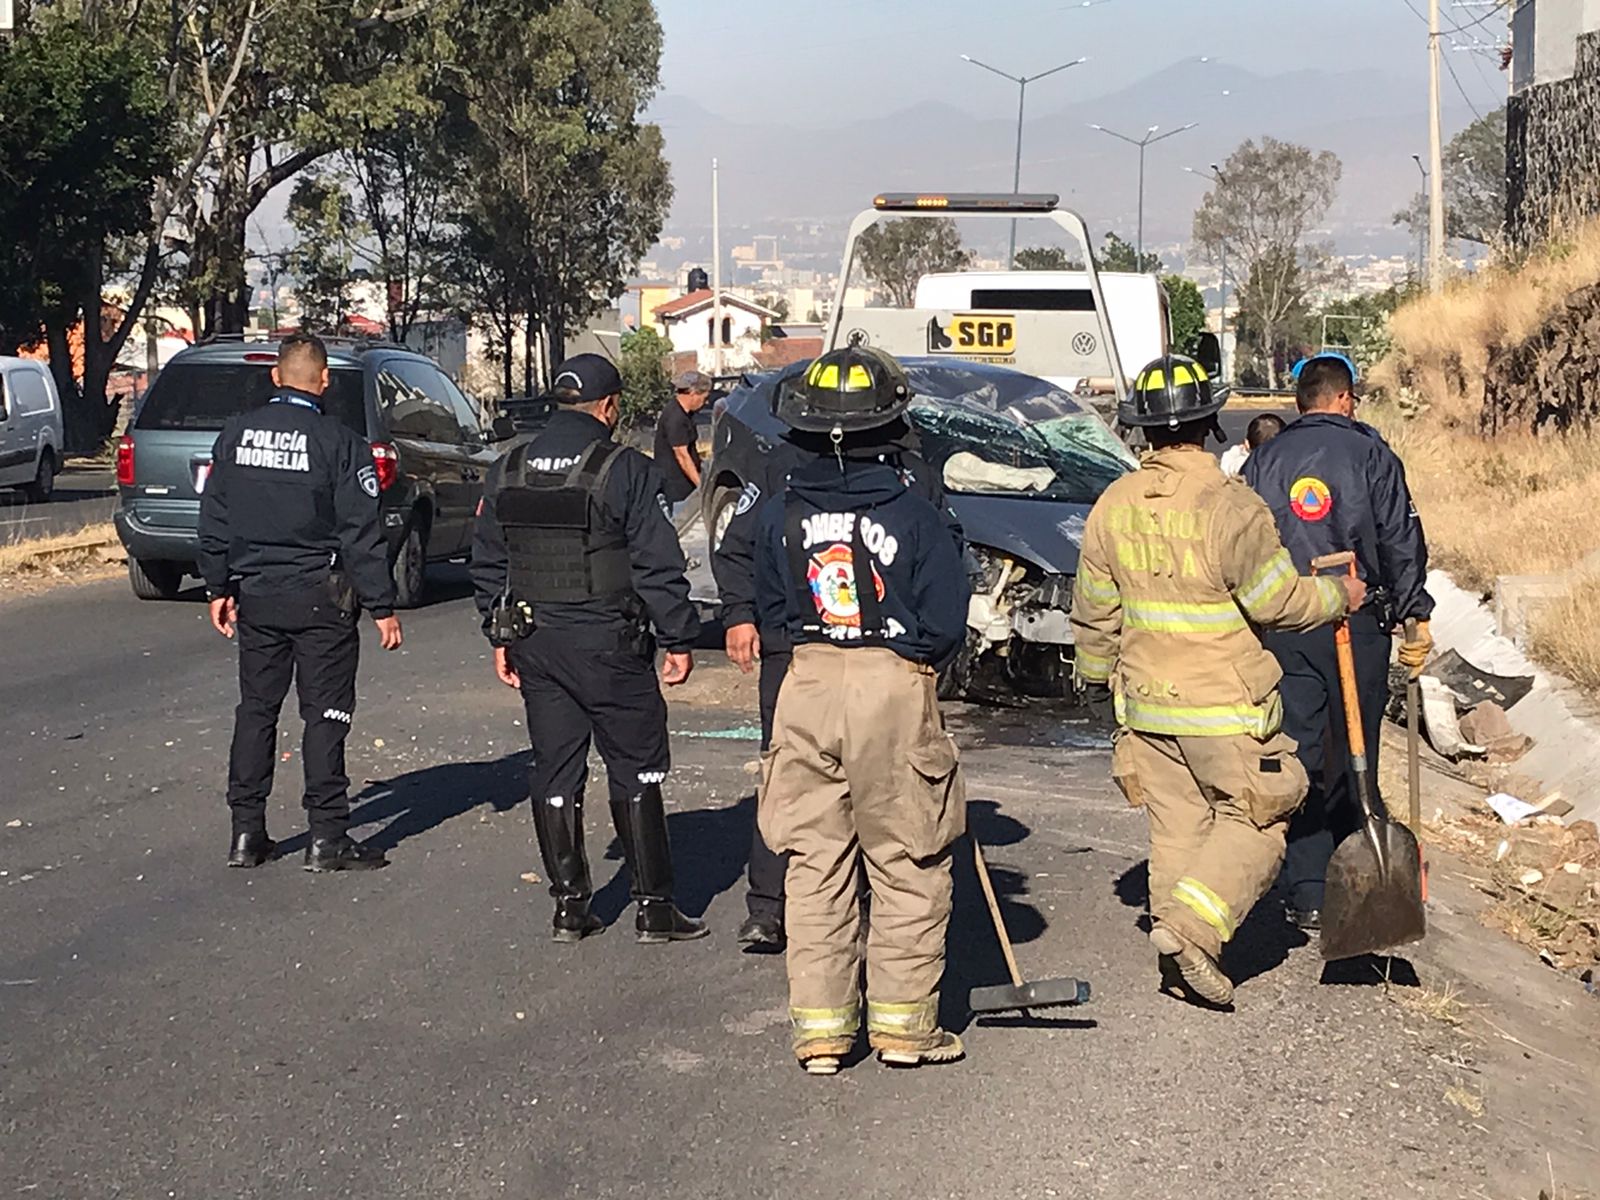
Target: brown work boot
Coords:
[(822, 1056), (1201, 974), (940, 1046)]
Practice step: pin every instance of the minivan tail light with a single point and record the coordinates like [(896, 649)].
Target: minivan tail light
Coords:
[(125, 460), (387, 461)]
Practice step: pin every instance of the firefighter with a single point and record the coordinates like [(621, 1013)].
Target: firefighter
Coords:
[(862, 777), (291, 551), (768, 649), (573, 560), (1180, 568), (1333, 484)]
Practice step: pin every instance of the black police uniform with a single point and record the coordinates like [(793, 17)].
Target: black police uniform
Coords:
[(733, 566), (289, 527), (1333, 484), (573, 534)]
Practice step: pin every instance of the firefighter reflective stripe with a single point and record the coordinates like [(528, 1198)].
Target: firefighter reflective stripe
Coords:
[(916, 1016), (1101, 589), (1091, 668), (1220, 720), (1178, 616), (812, 1023), (1334, 598), (1207, 905), (1275, 574)]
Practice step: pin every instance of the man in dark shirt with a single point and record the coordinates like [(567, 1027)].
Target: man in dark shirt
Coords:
[(677, 454)]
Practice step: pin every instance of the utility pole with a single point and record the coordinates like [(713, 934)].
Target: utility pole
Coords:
[(1422, 230), (1216, 176), (1022, 82), (1435, 157), (1150, 138), (716, 276)]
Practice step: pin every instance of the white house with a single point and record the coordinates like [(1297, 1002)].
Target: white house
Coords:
[(689, 324)]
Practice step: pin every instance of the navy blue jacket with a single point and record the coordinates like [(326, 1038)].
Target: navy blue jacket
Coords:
[(920, 581), (1333, 484)]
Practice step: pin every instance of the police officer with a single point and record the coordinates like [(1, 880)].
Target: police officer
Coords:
[(1180, 567), (861, 776), (1333, 484), (733, 565), (290, 550), (573, 560)]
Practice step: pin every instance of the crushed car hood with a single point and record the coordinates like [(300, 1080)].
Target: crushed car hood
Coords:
[(1047, 533)]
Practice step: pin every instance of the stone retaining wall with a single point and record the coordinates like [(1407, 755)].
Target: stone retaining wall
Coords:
[(1553, 152)]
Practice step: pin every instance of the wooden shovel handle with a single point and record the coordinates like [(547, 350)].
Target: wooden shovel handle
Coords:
[(994, 911)]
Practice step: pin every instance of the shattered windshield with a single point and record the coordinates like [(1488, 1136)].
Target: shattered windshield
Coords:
[(994, 432)]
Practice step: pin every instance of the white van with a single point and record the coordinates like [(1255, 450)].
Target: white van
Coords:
[(30, 427), (1136, 305)]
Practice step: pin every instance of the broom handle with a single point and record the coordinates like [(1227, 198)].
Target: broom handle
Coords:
[(1355, 733), (1413, 748), (994, 911)]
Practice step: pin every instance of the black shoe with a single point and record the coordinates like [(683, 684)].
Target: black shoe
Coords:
[(573, 921), (660, 921), (251, 849), (763, 935), (1307, 920), (342, 854)]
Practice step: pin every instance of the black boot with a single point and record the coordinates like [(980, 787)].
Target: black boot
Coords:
[(340, 852), (641, 822), (762, 934), (559, 829), (251, 849)]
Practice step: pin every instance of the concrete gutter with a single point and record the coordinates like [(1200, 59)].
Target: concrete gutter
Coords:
[(1555, 714)]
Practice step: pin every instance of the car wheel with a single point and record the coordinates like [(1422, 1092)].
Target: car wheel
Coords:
[(724, 505), (410, 567), (44, 483), (153, 579)]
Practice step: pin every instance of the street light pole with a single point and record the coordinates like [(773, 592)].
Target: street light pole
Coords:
[(1150, 138), (1216, 176), (1435, 157), (1022, 82)]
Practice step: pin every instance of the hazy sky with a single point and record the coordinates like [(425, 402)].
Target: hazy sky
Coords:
[(823, 61)]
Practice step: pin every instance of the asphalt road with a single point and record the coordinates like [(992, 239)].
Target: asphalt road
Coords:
[(84, 496), (169, 1028)]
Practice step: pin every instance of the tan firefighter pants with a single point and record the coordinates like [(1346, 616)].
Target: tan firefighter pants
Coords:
[(1219, 808), (862, 777)]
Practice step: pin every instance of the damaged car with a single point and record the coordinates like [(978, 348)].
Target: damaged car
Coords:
[(1021, 462)]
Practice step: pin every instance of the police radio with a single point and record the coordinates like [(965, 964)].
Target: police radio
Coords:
[(510, 620)]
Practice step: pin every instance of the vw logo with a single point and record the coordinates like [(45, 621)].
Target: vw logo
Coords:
[(1083, 344)]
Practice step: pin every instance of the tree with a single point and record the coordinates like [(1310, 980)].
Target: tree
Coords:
[(84, 135), (320, 260), (1045, 258), (646, 386), (1269, 196), (1188, 312), (896, 254), (1474, 185), (1118, 255)]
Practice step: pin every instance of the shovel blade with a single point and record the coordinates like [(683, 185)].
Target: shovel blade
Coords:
[(1374, 893), (1044, 993)]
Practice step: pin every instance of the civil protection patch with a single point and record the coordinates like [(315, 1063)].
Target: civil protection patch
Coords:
[(1310, 499)]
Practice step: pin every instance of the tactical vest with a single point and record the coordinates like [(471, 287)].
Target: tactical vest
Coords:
[(558, 553)]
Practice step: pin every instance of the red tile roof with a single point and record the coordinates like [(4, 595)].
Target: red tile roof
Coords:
[(702, 298)]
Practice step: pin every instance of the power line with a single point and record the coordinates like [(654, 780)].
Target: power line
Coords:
[(1451, 67)]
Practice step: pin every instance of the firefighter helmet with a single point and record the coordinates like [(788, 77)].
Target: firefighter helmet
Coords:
[(844, 391), (1170, 391)]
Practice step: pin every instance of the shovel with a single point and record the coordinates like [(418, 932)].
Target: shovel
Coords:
[(1042, 993), (1374, 882)]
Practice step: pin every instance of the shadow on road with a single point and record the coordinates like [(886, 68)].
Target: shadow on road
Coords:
[(1371, 970), (710, 847)]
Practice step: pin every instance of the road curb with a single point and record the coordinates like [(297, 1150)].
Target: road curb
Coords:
[(19, 556)]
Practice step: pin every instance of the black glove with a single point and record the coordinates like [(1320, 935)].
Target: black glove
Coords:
[(1096, 698)]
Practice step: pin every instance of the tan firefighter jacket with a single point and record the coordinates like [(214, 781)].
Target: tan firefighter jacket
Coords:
[(1180, 568)]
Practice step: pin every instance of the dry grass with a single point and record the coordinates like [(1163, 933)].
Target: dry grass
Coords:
[(1566, 634), (1512, 505), (1468, 1101), (1442, 343), (58, 557), (1442, 1004)]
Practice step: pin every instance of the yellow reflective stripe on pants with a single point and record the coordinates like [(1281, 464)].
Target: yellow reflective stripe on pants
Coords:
[(809, 1023), (1276, 574), (915, 1016), (1175, 616), (1091, 668), (1175, 720), (1207, 905)]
